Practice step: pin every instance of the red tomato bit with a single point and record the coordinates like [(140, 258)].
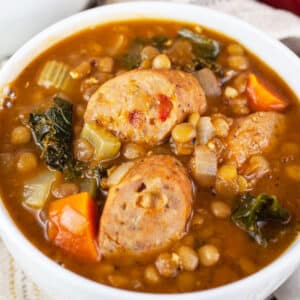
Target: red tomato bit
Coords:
[(165, 106)]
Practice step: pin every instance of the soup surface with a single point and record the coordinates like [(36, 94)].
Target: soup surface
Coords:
[(152, 156)]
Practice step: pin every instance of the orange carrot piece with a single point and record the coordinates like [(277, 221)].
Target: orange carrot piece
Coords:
[(72, 226), (260, 98)]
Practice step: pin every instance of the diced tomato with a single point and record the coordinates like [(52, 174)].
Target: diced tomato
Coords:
[(136, 118), (260, 98), (165, 106), (72, 226)]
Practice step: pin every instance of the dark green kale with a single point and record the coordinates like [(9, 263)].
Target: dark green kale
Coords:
[(158, 41), (202, 46), (132, 59), (253, 215), (52, 131)]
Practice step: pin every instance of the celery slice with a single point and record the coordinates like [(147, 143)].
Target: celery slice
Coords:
[(37, 189), (55, 75), (89, 185), (106, 145)]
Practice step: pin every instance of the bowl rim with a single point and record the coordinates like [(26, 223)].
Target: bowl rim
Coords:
[(9, 229)]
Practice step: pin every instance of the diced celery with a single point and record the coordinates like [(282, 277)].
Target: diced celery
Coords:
[(37, 189), (55, 75), (106, 145), (89, 185)]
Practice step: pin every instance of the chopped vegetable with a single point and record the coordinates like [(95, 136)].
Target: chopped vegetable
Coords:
[(206, 130), (208, 82), (165, 106), (52, 131), (37, 189), (252, 214), (72, 226), (118, 173), (89, 185), (106, 145), (204, 166), (203, 46), (55, 75), (260, 98)]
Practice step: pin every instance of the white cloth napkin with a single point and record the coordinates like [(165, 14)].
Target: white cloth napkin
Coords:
[(14, 285)]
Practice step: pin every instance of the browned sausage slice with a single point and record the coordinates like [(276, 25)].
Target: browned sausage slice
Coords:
[(255, 134), (148, 209), (144, 105)]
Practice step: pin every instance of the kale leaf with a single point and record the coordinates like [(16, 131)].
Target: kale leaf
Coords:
[(203, 47), (252, 214), (52, 131)]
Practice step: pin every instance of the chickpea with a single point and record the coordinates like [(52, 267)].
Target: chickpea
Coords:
[(238, 62), (167, 264), (83, 150), (227, 172), (221, 127), (132, 151), (188, 257), (82, 70), (183, 133), (151, 275), (208, 255), (149, 52), (240, 82), (220, 209), (106, 64), (27, 162), (235, 49), (242, 183), (161, 61), (118, 280), (239, 105), (20, 135), (230, 92), (65, 189), (194, 119)]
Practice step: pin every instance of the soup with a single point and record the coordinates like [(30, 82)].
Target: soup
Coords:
[(152, 156)]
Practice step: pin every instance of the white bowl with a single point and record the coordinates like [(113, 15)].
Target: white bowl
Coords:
[(65, 285), (20, 20)]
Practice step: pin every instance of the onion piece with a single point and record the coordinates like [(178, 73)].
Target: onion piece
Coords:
[(206, 130), (209, 82), (118, 173), (204, 165)]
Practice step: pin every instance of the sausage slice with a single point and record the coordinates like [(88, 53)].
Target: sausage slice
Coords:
[(148, 209), (144, 105), (255, 134)]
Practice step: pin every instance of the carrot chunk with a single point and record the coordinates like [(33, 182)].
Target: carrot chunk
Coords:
[(72, 226), (260, 98)]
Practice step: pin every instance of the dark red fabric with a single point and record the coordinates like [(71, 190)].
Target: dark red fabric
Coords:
[(291, 5)]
